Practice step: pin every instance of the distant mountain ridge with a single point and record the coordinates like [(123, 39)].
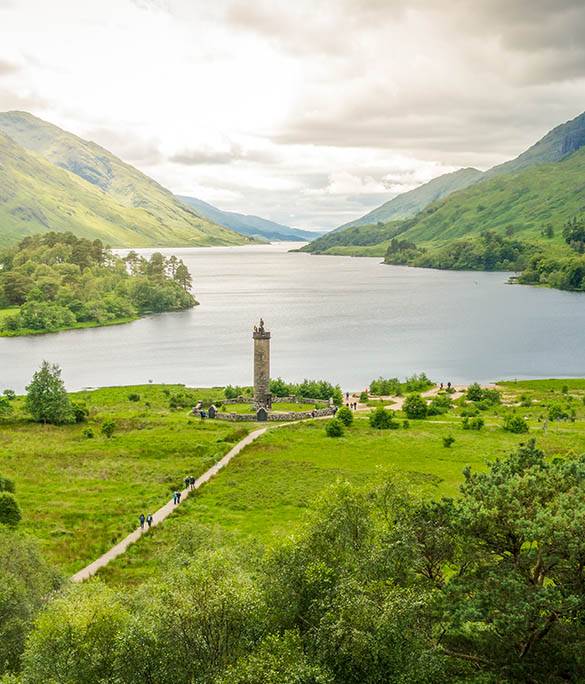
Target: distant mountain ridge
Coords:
[(508, 196), (54, 180), (410, 203), (253, 226), (557, 144)]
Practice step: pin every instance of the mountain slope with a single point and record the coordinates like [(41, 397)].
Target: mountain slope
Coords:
[(136, 210), (557, 144), (410, 203), (521, 203), (253, 226)]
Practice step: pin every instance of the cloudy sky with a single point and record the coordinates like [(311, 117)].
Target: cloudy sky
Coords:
[(309, 112)]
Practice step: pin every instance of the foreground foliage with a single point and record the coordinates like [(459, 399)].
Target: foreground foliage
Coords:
[(378, 586)]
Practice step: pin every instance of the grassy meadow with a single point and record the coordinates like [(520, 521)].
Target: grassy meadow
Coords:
[(265, 493), (79, 495)]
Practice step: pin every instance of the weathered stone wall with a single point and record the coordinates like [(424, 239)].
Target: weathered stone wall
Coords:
[(276, 417)]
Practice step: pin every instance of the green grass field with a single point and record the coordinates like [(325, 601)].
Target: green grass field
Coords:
[(79, 496), (264, 494)]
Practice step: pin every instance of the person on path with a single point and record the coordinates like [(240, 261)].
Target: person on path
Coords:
[(177, 497), (142, 519), (149, 520), (192, 482), (187, 481)]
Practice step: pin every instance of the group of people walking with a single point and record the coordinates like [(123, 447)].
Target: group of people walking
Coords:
[(145, 519), (148, 519)]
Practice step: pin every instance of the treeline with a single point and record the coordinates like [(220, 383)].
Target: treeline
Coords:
[(60, 281), (308, 389), (383, 387), (378, 587), (489, 252)]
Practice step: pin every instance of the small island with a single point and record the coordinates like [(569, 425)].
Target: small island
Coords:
[(57, 281)]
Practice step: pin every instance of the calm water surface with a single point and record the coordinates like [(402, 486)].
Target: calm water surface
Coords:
[(345, 319)]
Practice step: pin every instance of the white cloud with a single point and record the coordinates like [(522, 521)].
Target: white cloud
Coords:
[(304, 111)]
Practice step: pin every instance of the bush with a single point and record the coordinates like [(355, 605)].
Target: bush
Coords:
[(383, 387), (108, 427), (345, 415), (88, 433), (556, 412), (180, 400), (405, 424), (9, 394), (9, 510), (417, 383), (231, 392), (415, 406), (515, 424), (80, 412), (381, 419), (5, 407), (448, 441), (364, 397), (475, 423), (6, 484), (133, 397), (488, 397), (440, 404), (334, 428)]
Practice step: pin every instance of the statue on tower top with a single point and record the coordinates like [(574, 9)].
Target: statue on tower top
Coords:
[(260, 328)]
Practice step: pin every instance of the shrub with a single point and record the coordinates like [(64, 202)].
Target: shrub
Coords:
[(417, 383), (9, 394), (448, 441), (334, 428), (5, 407), (385, 387), (231, 392), (415, 406), (405, 424), (6, 484), (556, 412), (381, 419), (345, 415), (440, 404), (486, 397), (88, 433), (475, 423), (364, 397), (474, 392), (80, 412), (108, 427), (9, 510), (515, 424), (133, 396), (180, 400)]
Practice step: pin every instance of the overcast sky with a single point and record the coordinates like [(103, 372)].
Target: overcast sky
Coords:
[(308, 112)]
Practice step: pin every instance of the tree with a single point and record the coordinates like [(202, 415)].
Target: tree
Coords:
[(182, 276), (26, 582), (334, 428), (345, 415), (10, 514), (415, 406), (5, 407), (381, 419), (46, 397), (518, 609), (75, 640)]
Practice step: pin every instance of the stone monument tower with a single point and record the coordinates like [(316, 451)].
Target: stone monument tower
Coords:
[(262, 396)]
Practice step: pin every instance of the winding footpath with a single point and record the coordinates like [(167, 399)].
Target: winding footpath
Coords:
[(164, 512)]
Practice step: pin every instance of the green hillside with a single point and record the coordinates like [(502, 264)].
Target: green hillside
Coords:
[(410, 203), (52, 180), (525, 202)]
